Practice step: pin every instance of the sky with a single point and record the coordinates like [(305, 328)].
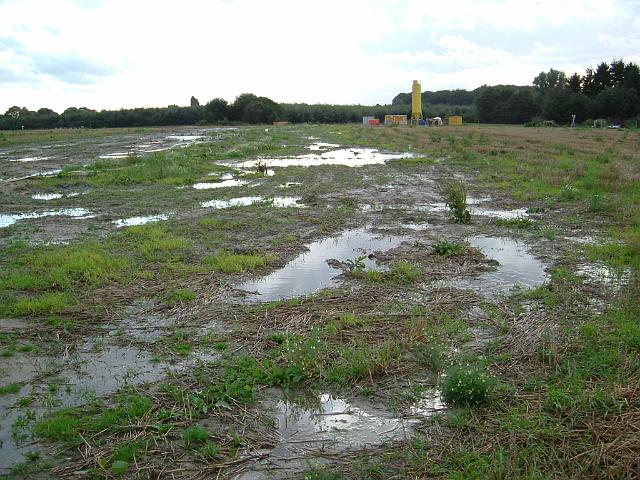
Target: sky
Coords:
[(111, 54)]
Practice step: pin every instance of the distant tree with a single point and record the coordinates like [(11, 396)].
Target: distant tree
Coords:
[(194, 102), (46, 111), (560, 103), (602, 78), (552, 79), (216, 110), (618, 103), (617, 69), (632, 77), (17, 112), (574, 83)]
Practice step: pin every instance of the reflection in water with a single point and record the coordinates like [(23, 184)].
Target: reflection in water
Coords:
[(517, 267), (222, 184), (278, 202), (46, 196), (10, 219), (310, 271), (128, 222), (350, 157)]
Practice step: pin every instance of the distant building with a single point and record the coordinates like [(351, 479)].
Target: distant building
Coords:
[(395, 119)]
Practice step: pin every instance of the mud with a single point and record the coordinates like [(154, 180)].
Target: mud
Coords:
[(24, 161)]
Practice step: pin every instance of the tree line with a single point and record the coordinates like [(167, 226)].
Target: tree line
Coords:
[(611, 90)]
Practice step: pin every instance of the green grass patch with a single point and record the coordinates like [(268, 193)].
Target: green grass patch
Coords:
[(227, 262)]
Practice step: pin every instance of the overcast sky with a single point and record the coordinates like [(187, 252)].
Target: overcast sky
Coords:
[(113, 54)]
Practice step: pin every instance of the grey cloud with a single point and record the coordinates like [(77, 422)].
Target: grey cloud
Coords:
[(71, 68)]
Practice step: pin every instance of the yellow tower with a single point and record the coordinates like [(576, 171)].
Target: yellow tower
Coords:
[(416, 102)]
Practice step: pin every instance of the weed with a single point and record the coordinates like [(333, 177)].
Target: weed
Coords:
[(466, 386), (568, 192), (210, 450), (10, 388), (226, 262), (119, 467), (522, 223), (357, 265), (597, 203), (433, 356), (194, 435), (455, 195), (445, 248), (181, 296)]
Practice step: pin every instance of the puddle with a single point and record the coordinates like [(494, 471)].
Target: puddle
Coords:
[(95, 370), (517, 267), (310, 272), (28, 159), (321, 146), (429, 403), (223, 176), (48, 173), (186, 138), (474, 209), (278, 202), (290, 184), (129, 222), (79, 213), (224, 183), (46, 196), (350, 157), (331, 425), (115, 155)]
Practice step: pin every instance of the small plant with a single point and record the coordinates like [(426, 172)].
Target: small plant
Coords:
[(210, 450), (445, 248), (181, 296), (357, 265), (522, 223), (433, 356), (568, 192), (597, 203), (194, 435), (262, 167), (10, 388), (455, 195), (466, 386)]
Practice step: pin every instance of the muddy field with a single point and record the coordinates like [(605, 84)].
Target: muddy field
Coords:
[(303, 302)]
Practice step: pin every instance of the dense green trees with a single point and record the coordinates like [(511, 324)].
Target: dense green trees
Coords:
[(611, 90)]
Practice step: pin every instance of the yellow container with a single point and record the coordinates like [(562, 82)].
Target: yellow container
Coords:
[(455, 120), (416, 102), (395, 119)]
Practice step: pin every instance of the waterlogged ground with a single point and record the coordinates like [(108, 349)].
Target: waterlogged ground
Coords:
[(299, 302)]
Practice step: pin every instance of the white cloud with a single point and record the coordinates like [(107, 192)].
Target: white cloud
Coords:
[(117, 53)]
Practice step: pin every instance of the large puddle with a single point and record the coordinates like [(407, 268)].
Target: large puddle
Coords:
[(129, 222), (9, 219), (310, 272), (476, 210), (95, 370), (350, 157), (277, 202), (309, 430), (517, 267), (223, 184)]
